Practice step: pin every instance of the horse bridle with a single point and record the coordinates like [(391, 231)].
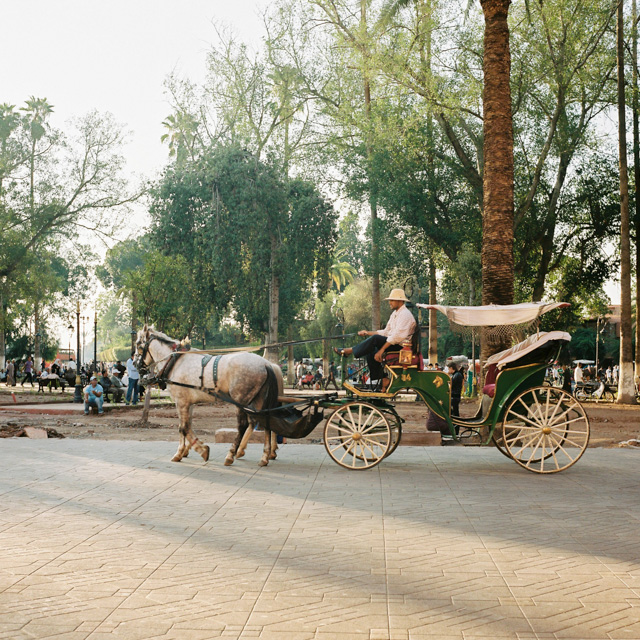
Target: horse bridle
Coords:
[(143, 351)]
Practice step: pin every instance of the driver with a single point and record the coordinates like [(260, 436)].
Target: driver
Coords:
[(400, 327)]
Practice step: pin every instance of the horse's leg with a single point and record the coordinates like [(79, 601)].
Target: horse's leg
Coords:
[(243, 422), (188, 439), (274, 446), (266, 453), (242, 449)]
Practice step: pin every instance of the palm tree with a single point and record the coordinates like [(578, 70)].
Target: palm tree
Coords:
[(341, 272), (36, 113), (497, 216), (498, 210), (181, 136)]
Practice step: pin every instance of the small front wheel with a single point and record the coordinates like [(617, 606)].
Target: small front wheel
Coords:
[(358, 436)]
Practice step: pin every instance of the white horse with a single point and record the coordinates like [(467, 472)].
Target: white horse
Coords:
[(246, 379)]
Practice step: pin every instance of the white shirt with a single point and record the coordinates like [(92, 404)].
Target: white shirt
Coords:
[(400, 327), (132, 372), (577, 374)]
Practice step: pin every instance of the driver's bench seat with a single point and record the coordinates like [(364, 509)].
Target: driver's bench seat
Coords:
[(391, 359)]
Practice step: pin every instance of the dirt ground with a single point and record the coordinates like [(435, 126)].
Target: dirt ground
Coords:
[(610, 423)]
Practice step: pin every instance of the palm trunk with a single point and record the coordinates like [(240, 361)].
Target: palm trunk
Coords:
[(497, 224), (626, 391), (373, 199), (274, 304), (433, 315)]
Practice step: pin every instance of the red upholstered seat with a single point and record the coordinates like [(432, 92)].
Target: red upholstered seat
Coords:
[(392, 360), (489, 390)]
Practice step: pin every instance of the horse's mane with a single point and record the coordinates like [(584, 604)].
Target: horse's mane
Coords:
[(163, 337)]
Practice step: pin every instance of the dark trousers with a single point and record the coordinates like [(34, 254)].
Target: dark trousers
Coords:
[(368, 348), (455, 406)]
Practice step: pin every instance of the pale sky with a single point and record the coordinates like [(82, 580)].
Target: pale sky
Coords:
[(113, 56)]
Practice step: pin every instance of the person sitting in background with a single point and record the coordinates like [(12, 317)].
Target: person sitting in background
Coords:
[(105, 382), (117, 388), (93, 396)]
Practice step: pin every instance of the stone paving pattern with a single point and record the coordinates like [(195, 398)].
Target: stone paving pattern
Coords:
[(110, 540)]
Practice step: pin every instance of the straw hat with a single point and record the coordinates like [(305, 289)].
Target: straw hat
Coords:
[(397, 294)]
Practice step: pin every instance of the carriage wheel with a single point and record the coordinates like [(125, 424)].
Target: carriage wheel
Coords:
[(396, 430), (498, 441), (545, 430), (358, 436)]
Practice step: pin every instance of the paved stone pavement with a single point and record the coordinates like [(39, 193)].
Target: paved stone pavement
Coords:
[(111, 540)]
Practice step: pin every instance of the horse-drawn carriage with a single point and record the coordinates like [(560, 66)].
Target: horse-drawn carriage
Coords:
[(542, 428)]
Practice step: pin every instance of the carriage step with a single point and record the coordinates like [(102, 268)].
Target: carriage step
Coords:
[(417, 439)]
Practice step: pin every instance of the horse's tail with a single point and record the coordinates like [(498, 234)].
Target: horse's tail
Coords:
[(273, 389)]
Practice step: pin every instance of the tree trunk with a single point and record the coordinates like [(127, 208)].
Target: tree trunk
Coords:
[(274, 305), (626, 391), (636, 173), (497, 223), (433, 315), (36, 345), (325, 357), (373, 199), (3, 346)]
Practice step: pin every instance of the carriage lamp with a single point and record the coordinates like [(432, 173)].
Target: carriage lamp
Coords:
[(406, 355)]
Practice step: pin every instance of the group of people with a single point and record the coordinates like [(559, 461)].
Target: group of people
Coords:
[(311, 378), (569, 377), (122, 377), (121, 381), (30, 374)]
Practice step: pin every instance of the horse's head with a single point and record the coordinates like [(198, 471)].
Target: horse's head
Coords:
[(142, 358)]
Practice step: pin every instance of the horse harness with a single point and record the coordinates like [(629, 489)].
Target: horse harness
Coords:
[(286, 414)]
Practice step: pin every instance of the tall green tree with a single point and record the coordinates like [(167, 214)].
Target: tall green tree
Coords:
[(51, 184), (224, 213)]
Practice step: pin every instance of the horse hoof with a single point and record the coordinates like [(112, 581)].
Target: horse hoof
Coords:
[(186, 454), (228, 462), (240, 453), (176, 459), (273, 456), (205, 453), (263, 463)]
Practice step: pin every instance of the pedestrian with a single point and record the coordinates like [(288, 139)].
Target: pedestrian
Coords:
[(331, 378), (578, 376), (134, 377), (457, 378), (28, 371), (11, 373)]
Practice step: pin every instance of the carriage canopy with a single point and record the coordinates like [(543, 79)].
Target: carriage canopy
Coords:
[(495, 314)]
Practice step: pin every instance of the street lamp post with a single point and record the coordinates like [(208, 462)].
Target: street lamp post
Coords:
[(70, 330), (77, 395), (95, 339)]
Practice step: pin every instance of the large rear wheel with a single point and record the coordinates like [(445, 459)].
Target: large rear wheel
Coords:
[(358, 436), (545, 430)]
